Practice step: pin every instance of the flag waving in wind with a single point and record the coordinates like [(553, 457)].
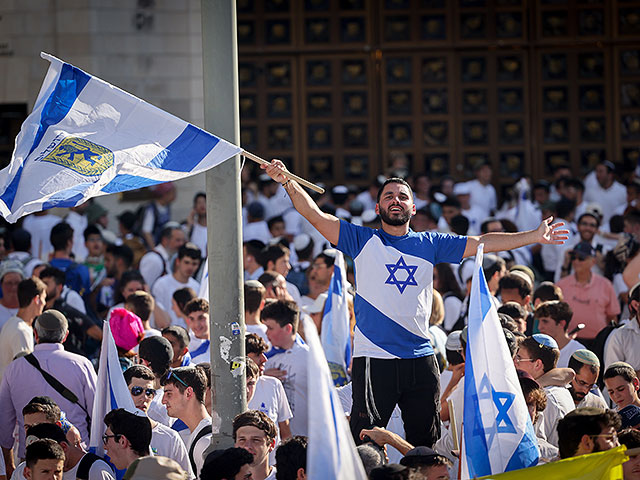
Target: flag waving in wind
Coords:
[(111, 390), (497, 432), (331, 452), (86, 138), (336, 332)]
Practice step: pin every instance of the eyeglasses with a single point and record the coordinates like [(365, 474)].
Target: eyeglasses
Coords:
[(105, 437), (172, 373), (584, 384), (137, 391)]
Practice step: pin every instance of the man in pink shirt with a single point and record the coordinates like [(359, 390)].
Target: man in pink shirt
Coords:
[(590, 296)]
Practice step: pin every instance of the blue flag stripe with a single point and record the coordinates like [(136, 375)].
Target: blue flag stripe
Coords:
[(70, 84), (485, 297), (121, 183), (389, 331), (63, 199), (186, 151), (526, 455)]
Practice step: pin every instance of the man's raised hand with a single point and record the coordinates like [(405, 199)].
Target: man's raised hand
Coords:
[(275, 170), (551, 234)]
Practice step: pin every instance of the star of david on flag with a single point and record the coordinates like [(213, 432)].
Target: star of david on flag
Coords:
[(401, 281), (497, 433)]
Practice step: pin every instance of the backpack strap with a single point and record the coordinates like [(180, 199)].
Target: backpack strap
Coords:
[(85, 465), (205, 431)]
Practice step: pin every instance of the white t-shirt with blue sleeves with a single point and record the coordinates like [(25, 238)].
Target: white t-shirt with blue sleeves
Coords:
[(394, 287)]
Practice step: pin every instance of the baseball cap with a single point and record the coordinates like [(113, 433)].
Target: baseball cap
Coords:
[(52, 320), (583, 250), (384, 472), (158, 352), (126, 327), (630, 416), (151, 468), (11, 266), (317, 306), (418, 454)]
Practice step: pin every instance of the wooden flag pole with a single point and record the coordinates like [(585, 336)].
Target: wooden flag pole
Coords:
[(290, 175)]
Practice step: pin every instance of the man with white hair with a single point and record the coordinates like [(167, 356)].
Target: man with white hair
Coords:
[(73, 371)]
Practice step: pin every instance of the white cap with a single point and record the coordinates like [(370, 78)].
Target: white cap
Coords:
[(301, 241), (461, 188)]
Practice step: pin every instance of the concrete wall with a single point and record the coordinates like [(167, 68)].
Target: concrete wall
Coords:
[(150, 48)]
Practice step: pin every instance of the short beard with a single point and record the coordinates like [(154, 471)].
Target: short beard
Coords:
[(395, 221)]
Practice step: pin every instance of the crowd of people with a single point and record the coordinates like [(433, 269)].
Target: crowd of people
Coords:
[(567, 293)]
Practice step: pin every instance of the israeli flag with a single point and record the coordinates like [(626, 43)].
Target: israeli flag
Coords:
[(497, 432), (336, 331), (111, 390), (86, 138), (332, 452)]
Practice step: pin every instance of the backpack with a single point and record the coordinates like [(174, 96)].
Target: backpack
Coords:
[(85, 465), (205, 431)]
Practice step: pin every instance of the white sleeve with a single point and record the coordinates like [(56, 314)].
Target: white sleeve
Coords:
[(75, 300), (148, 220), (100, 471), (613, 349), (150, 268), (284, 410)]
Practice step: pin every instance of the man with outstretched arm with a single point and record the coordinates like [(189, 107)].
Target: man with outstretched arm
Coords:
[(394, 362)]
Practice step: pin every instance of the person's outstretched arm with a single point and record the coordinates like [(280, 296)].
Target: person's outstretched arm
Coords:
[(326, 224), (546, 233)]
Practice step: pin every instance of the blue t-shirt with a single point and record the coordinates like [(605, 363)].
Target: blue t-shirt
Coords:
[(394, 287), (76, 275)]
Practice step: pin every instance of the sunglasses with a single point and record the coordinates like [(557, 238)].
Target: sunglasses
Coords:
[(137, 391), (172, 374)]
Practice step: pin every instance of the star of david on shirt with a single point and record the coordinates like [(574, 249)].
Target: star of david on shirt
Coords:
[(399, 282), (502, 402)]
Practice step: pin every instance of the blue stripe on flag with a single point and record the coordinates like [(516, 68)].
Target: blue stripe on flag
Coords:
[(120, 183), (62, 199), (485, 297), (112, 394), (526, 454), (399, 340), (70, 83), (186, 151)]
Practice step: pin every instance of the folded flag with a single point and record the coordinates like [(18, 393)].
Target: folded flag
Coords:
[(86, 138), (497, 433), (336, 325)]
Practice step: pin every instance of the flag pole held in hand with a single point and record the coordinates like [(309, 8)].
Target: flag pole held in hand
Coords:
[(290, 175)]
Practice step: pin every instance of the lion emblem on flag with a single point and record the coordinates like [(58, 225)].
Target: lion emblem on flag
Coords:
[(82, 156)]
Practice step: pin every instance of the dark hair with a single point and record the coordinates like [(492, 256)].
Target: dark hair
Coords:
[(547, 291), (44, 449), (549, 356), (142, 304), (513, 309), (192, 377), (196, 305), (51, 412), (167, 230), (271, 254), (451, 202), (205, 367), (55, 273), (225, 464), (576, 365), (629, 437), (580, 422), (589, 214), (254, 343), (21, 240), (268, 278), (495, 266), (564, 207), (179, 332), (447, 280), (459, 225), (121, 252), (129, 276), (28, 289), (418, 461), (137, 429), (60, 236), (258, 419), (617, 370), (484, 226), (91, 230), (254, 247), (274, 220), (190, 250), (253, 297), (329, 260), (306, 252), (515, 281), (48, 430), (454, 357), (198, 195), (291, 456), (393, 180), (138, 371), (533, 394), (283, 312), (557, 310), (184, 295), (632, 217), (251, 370)]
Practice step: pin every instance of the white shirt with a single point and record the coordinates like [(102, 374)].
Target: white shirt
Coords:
[(609, 199), (16, 337), (567, 351), (99, 470), (163, 293), (203, 357), (199, 237), (260, 330), (483, 197), (294, 362), (6, 314), (27, 260), (74, 299), (269, 398), (166, 442), (256, 231), (623, 345), (40, 230), (201, 446), (559, 403), (78, 223), (152, 265)]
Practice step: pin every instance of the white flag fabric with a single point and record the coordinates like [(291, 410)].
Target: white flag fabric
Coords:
[(111, 390), (332, 451), (497, 431), (336, 332), (86, 138)]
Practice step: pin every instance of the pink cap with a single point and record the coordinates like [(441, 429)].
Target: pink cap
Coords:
[(127, 328)]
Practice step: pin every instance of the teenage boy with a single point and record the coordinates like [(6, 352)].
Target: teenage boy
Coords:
[(197, 312), (538, 356), (157, 354), (164, 440), (179, 339), (184, 391), (45, 461), (254, 295), (281, 318), (256, 433), (622, 384), (553, 319), (127, 437)]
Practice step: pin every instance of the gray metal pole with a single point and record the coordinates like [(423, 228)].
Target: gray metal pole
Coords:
[(220, 62)]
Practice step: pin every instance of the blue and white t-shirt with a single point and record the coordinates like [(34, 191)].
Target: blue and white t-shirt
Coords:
[(394, 287)]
